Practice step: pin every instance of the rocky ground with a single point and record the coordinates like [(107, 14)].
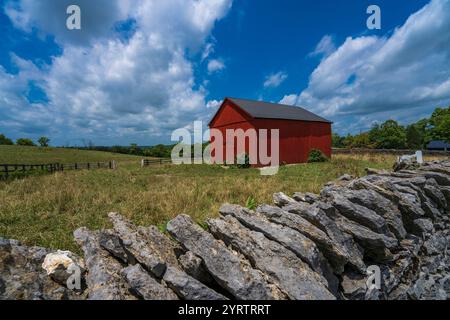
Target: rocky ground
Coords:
[(303, 247)]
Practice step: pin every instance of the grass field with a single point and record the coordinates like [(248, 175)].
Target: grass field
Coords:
[(45, 210), (36, 155)]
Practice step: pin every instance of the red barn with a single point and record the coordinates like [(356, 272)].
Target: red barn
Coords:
[(300, 131)]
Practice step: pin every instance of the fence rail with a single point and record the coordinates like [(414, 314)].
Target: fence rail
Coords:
[(149, 162), (7, 170)]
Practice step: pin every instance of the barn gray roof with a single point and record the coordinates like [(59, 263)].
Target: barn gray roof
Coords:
[(266, 110)]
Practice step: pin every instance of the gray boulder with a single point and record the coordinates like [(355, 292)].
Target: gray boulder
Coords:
[(229, 271), (334, 253), (282, 266), (145, 286), (103, 279), (189, 288)]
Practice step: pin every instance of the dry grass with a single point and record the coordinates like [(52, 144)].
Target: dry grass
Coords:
[(45, 210)]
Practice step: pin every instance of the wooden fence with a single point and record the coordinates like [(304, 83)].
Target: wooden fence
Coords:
[(148, 162), (7, 170)]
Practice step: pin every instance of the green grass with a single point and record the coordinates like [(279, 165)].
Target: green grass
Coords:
[(45, 210), (36, 155)]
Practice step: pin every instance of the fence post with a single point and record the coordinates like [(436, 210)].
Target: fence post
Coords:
[(88, 166), (6, 170)]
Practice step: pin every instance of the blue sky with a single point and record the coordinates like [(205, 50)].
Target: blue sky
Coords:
[(139, 69)]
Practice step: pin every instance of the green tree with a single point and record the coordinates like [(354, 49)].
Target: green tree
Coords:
[(361, 141), (5, 141), (337, 141), (444, 128), (389, 135), (25, 142), (439, 124), (44, 141), (414, 138), (134, 149), (348, 141)]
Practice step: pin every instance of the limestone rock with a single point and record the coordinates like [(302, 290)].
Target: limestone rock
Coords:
[(111, 242), (302, 246), (23, 278), (138, 245), (193, 266), (335, 254), (145, 286), (103, 278), (281, 265), (233, 274), (189, 288), (354, 211), (61, 265)]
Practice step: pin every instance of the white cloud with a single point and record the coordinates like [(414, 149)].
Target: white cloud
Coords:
[(215, 65), (325, 47), (275, 80), (106, 89), (49, 17), (208, 50), (214, 104), (405, 72)]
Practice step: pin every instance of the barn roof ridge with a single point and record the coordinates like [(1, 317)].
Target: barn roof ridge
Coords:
[(269, 110)]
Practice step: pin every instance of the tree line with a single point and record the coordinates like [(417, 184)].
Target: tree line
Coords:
[(391, 135), (42, 141)]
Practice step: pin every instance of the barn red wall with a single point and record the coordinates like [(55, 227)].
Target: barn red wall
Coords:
[(229, 114), (297, 138)]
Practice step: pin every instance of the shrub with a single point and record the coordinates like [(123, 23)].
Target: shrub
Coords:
[(25, 142), (251, 203), (243, 161), (317, 156)]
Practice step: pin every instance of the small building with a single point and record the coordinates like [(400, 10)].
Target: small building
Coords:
[(300, 130), (438, 145)]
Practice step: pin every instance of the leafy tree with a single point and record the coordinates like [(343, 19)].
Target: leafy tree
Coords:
[(414, 138), (423, 126), (337, 141), (361, 141), (44, 141), (389, 135), (134, 149), (159, 151), (25, 142), (5, 141), (443, 128), (348, 141)]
